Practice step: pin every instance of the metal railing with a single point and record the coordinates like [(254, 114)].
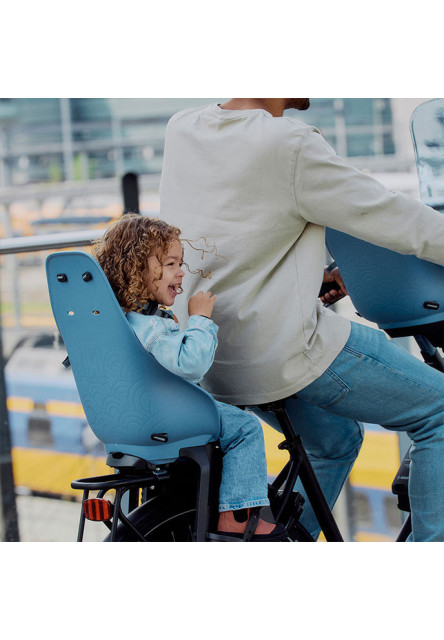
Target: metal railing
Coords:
[(54, 241), (73, 189)]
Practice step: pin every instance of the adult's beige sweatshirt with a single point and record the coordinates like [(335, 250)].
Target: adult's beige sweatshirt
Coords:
[(263, 189)]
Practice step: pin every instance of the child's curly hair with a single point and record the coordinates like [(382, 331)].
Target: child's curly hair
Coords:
[(123, 255)]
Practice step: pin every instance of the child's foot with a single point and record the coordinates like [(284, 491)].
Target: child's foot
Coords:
[(236, 522)]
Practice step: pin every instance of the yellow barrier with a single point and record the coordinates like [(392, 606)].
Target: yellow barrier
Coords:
[(53, 471), (378, 461)]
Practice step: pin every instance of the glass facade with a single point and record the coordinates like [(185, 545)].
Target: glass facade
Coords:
[(355, 127), (50, 140)]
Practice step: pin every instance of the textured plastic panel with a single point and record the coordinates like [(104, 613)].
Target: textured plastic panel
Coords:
[(386, 287), (126, 394)]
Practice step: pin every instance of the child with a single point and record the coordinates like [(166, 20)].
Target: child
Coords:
[(142, 259)]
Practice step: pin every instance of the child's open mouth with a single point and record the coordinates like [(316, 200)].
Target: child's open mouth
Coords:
[(174, 288)]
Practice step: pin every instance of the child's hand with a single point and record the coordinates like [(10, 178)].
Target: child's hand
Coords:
[(201, 304)]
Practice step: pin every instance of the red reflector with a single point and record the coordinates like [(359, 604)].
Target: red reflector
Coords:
[(98, 509)]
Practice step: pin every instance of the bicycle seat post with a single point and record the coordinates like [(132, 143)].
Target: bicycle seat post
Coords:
[(293, 443)]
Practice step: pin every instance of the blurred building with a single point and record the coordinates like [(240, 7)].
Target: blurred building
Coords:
[(51, 140), (57, 139)]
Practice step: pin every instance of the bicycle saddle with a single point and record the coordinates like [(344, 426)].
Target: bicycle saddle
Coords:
[(133, 404)]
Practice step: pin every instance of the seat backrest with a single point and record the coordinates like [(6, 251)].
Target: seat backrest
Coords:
[(399, 291), (128, 397), (388, 288)]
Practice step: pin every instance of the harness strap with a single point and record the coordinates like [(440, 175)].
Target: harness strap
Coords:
[(252, 524)]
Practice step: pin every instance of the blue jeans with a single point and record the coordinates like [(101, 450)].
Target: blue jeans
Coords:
[(244, 468), (374, 380)]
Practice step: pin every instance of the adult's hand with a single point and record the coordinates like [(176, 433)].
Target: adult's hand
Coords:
[(337, 292)]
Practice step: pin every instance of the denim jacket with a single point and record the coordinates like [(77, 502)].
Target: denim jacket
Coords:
[(189, 354)]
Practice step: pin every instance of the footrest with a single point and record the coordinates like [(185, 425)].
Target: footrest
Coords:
[(219, 537)]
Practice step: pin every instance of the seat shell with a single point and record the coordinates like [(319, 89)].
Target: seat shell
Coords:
[(390, 289), (127, 396)]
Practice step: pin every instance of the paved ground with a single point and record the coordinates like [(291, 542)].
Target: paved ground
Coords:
[(49, 520)]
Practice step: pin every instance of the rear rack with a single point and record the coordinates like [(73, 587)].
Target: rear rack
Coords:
[(121, 483)]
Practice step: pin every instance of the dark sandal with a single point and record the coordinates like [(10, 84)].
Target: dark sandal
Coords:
[(279, 533)]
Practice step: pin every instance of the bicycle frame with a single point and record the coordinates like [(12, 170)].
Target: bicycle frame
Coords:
[(299, 466)]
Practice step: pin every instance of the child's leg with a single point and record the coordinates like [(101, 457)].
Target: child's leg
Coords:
[(244, 472), (244, 485)]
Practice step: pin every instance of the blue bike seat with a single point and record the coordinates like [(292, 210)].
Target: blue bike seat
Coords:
[(133, 404), (400, 293)]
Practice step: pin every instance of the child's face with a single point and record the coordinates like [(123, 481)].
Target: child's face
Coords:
[(165, 290)]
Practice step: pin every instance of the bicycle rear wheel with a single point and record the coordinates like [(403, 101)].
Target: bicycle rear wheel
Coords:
[(159, 522), (167, 517)]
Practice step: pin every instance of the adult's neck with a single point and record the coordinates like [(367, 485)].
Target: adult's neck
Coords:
[(275, 106)]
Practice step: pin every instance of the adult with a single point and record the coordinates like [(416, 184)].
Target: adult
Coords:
[(263, 187)]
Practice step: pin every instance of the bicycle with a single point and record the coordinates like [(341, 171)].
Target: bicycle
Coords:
[(166, 485), (178, 499)]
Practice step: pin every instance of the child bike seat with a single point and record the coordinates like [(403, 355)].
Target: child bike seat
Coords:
[(133, 404), (400, 293)]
